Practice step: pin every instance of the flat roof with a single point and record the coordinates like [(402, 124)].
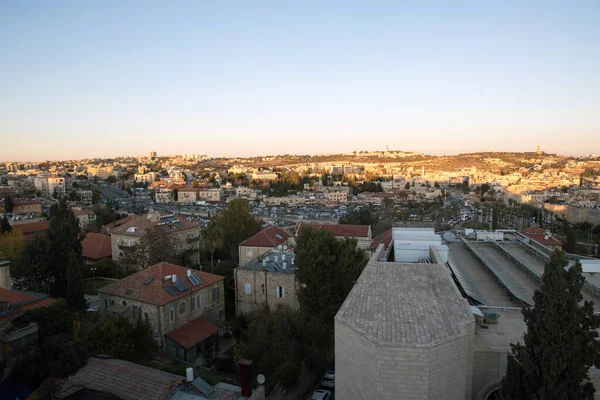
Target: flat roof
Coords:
[(510, 328), (268, 263), (406, 304)]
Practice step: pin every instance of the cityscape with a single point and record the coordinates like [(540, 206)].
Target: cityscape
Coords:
[(299, 201)]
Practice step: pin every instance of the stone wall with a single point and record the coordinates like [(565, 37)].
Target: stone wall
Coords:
[(246, 303)]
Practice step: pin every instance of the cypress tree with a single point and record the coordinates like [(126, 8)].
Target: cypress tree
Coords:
[(5, 225), (75, 298), (561, 342)]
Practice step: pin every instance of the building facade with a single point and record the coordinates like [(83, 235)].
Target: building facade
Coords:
[(183, 307), (264, 241), (268, 280)]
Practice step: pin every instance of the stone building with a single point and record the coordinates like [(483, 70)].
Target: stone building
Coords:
[(404, 331), (362, 233), (187, 195), (184, 307), (25, 206), (126, 233), (265, 240), (267, 280)]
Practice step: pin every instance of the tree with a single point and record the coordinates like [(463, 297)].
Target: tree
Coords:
[(111, 179), (9, 204), (211, 237), (11, 246), (74, 196), (571, 241), (5, 225), (75, 297), (43, 264), (363, 216), (561, 342), (327, 270), (157, 245), (119, 338), (236, 224)]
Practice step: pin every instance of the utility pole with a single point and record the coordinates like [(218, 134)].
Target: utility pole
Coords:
[(94, 278)]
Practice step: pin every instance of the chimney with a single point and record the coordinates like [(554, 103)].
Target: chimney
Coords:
[(276, 258), (5, 275), (283, 257), (189, 272), (284, 265), (174, 278), (264, 263), (246, 377)]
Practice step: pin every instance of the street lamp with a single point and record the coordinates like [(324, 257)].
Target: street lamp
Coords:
[(94, 277)]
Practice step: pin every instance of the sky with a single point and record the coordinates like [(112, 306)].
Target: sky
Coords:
[(109, 78)]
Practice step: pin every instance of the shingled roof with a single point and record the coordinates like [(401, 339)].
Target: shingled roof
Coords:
[(121, 378), (148, 285), (268, 237), (19, 301)]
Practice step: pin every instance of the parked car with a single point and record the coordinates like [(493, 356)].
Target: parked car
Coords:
[(321, 395), (329, 379)]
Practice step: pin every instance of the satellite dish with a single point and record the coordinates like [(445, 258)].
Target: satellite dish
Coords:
[(260, 379), (285, 246), (280, 247)]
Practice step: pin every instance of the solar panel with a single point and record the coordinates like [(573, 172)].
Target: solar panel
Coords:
[(270, 269), (195, 279), (170, 290), (466, 283), (180, 285), (202, 386), (149, 280)]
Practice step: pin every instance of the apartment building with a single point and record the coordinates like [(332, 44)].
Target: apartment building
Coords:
[(362, 233), (267, 280), (86, 218), (147, 177), (126, 233), (185, 308), (25, 206), (212, 195), (103, 172), (337, 193), (265, 176), (264, 241), (187, 195), (163, 197)]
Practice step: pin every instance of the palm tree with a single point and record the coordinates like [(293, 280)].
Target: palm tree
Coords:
[(211, 236)]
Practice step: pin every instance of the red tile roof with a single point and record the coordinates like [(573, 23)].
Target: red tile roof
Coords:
[(352, 231), (96, 246), (533, 229), (22, 201), (119, 222), (21, 301), (33, 227), (173, 186), (135, 287), (385, 238), (194, 332), (268, 237), (544, 239)]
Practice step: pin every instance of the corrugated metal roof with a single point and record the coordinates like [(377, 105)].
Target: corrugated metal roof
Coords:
[(466, 283)]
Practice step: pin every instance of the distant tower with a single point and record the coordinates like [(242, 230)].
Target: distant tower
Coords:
[(387, 148), (538, 151), (151, 155), (423, 170)]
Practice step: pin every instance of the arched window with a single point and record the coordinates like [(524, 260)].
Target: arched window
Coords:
[(182, 308), (124, 303)]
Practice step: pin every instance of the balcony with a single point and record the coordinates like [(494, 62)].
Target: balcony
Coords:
[(15, 333)]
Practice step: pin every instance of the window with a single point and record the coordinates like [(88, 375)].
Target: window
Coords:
[(105, 303), (262, 289), (198, 302), (248, 288), (215, 293), (172, 314), (124, 303), (182, 308), (249, 253), (193, 305), (280, 292), (146, 317)]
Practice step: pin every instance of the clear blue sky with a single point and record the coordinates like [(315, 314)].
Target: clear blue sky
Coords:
[(105, 78)]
